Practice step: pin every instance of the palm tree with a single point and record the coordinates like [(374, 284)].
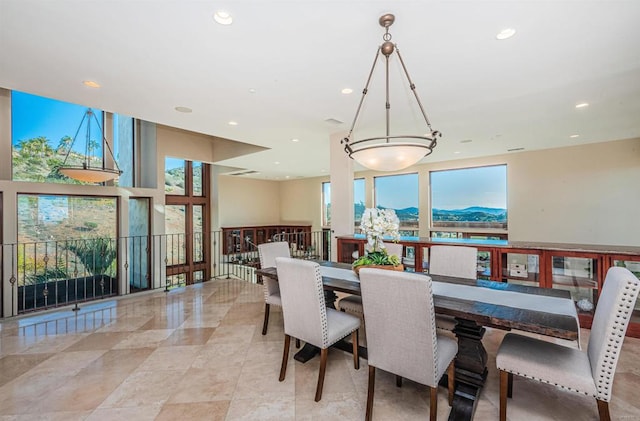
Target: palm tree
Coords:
[(64, 144)]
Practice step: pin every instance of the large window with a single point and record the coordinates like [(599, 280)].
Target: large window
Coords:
[(358, 202), (469, 198), (400, 193), (42, 139), (67, 249)]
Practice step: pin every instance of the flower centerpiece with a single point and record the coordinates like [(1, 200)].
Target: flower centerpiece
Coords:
[(375, 224)]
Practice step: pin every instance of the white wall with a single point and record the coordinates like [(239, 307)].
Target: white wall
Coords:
[(246, 201), (301, 201), (588, 194)]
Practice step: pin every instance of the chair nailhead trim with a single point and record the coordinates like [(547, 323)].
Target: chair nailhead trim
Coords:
[(616, 337), (548, 382)]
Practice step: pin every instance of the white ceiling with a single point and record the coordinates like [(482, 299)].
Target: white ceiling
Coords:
[(152, 56)]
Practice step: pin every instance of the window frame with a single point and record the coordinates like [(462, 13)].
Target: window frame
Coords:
[(405, 230), (468, 229)]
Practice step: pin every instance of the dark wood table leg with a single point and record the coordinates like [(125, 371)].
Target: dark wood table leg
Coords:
[(471, 369), (309, 351)]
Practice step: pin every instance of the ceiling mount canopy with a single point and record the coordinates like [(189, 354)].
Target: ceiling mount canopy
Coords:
[(89, 168), (387, 152)]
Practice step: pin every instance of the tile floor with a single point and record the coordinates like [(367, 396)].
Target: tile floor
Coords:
[(198, 353)]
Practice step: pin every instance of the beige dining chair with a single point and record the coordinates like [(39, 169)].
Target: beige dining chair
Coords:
[(268, 253), (401, 332), (456, 261), (306, 316), (353, 303), (591, 372)]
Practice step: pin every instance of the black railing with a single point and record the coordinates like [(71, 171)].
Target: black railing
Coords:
[(49, 274)]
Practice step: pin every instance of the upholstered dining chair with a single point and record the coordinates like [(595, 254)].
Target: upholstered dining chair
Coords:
[(268, 253), (456, 261), (591, 372), (401, 332), (353, 303), (306, 316)]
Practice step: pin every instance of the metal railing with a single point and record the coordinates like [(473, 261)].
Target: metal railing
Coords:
[(48, 274)]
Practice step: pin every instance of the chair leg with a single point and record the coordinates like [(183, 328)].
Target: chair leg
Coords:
[(603, 410), (356, 355), (285, 356), (398, 381), (504, 379), (297, 343), (451, 381), (323, 368), (433, 404), (266, 318), (372, 383), (510, 385)]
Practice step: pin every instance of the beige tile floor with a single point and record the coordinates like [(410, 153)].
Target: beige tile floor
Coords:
[(198, 353)]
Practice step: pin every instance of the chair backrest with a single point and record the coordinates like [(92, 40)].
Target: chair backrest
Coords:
[(400, 323), (457, 261), (394, 248), (268, 253), (610, 322), (303, 305)]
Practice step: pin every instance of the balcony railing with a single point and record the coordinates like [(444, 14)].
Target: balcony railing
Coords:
[(48, 274)]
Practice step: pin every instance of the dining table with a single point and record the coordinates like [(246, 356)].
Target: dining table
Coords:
[(475, 304)]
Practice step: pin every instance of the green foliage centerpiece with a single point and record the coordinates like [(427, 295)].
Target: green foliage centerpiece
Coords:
[(375, 224)]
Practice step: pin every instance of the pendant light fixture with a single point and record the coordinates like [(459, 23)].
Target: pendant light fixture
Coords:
[(390, 152), (91, 169)]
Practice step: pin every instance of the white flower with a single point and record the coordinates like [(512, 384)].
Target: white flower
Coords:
[(376, 223)]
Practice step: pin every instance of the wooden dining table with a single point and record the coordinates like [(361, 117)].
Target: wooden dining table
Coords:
[(473, 310)]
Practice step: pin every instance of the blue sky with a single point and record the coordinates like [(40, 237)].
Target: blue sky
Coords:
[(459, 189), (35, 116), (397, 191)]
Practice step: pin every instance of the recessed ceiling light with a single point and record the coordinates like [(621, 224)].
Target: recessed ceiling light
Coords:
[(295, 140), (223, 17), (573, 136), (183, 109), (233, 123), (252, 91), (347, 91), (505, 33), (582, 105), (91, 83), (456, 152), (466, 141), (277, 162), (287, 176)]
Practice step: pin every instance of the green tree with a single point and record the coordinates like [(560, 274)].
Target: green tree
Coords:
[(64, 145)]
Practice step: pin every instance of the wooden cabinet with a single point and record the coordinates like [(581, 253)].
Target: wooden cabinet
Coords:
[(245, 239), (579, 268)]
